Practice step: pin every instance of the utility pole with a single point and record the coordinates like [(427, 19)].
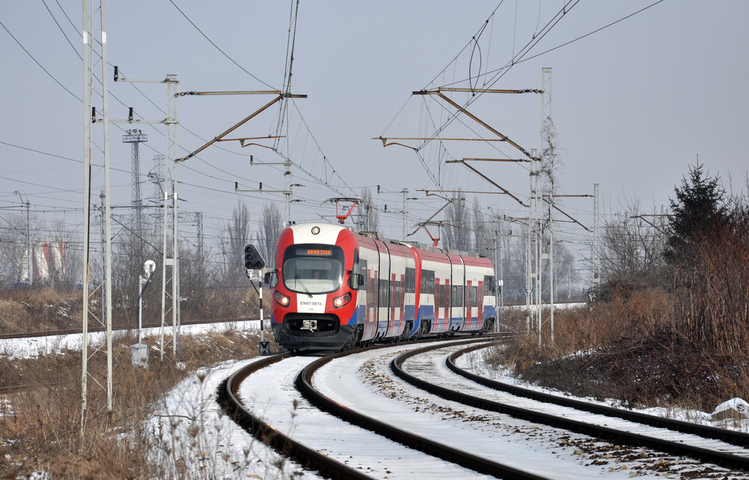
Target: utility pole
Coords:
[(170, 252), (596, 248), (546, 117), (95, 52), (288, 191), (404, 212), (135, 137), (29, 253)]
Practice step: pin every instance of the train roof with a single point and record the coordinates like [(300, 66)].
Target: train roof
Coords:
[(419, 245)]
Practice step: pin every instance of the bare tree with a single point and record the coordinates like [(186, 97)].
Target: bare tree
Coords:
[(514, 250), (482, 234), (457, 232), (565, 272), (13, 245), (632, 249), (271, 224), (231, 241), (551, 157)]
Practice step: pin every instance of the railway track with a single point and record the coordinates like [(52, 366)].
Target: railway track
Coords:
[(230, 400), (740, 439), (615, 435), (478, 461)]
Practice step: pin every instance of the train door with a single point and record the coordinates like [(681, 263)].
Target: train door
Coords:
[(469, 304), (439, 291), (458, 313), (383, 290), (409, 295), (426, 304), (480, 309), (394, 296), (401, 302), (446, 296), (442, 297), (368, 300)]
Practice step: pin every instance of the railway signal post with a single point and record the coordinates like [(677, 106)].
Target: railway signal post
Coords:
[(253, 261)]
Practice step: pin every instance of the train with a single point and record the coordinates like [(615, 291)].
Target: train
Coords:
[(334, 289)]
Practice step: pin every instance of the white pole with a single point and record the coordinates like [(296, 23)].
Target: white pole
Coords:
[(141, 282), (262, 330)]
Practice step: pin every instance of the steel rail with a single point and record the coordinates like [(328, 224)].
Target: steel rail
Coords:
[(228, 399), (632, 439), (740, 439), (422, 444)]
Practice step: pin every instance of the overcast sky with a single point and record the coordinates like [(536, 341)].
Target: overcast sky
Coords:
[(634, 104)]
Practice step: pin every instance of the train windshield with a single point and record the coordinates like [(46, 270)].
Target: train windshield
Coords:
[(313, 268)]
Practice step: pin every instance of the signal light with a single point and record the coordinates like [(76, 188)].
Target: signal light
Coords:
[(252, 258)]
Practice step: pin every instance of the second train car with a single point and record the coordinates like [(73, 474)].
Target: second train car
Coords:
[(335, 289)]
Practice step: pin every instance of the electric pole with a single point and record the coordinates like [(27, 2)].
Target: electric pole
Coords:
[(135, 137)]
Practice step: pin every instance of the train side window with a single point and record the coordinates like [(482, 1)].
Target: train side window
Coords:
[(410, 280), (427, 281), (457, 295), (488, 284), (384, 287), (442, 295), (356, 281), (475, 300)]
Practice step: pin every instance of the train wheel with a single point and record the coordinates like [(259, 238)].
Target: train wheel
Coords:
[(404, 335), (354, 339)]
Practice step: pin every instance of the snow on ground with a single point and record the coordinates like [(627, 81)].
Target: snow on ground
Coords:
[(191, 432), (33, 347), (732, 414), (545, 451), (271, 393), (193, 435)]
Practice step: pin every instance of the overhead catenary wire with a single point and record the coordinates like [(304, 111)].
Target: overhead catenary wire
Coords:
[(40, 65), (219, 48)]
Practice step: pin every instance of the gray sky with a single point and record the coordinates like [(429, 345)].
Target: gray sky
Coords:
[(633, 104)]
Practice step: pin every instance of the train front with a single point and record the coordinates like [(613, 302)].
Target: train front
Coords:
[(315, 288)]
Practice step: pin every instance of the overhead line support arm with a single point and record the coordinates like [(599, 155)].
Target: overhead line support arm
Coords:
[(475, 118), (504, 190), (565, 213), (240, 123)]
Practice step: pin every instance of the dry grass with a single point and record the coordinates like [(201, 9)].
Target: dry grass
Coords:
[(42, 431), (39, 310), (629, 350)]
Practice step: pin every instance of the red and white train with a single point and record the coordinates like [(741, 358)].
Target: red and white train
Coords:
[(335, 289)]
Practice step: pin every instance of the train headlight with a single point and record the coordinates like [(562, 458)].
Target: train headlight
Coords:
[(281, 299), (342, 301)]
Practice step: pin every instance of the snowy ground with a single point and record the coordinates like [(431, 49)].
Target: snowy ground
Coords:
[(726, 415), (192, 434), (33, 347)]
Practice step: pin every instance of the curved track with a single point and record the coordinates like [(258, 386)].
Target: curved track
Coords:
[(229, 399), (616, 435), (740, 439), (460, 457)]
